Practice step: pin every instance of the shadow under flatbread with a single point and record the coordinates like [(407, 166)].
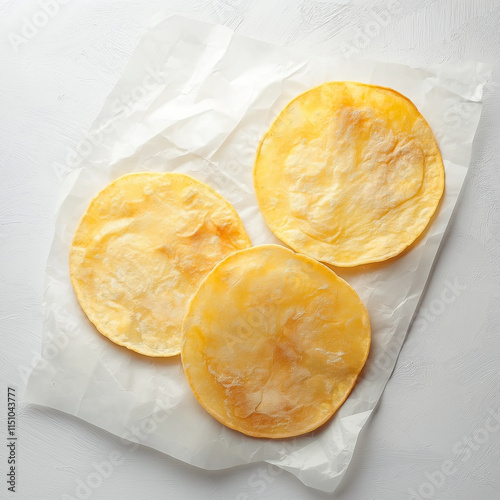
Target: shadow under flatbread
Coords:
[(137, 357)]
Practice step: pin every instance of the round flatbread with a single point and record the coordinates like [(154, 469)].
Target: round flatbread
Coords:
[(349, 174), (273, 342), (140, 251)]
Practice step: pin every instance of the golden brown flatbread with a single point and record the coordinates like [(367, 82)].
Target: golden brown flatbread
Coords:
[(349, 174), (273, 342), (140, 251)]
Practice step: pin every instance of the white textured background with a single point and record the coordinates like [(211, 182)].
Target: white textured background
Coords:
[(433, 432)]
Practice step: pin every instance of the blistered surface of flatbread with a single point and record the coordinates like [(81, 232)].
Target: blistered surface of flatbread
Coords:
[(141, 250), (349, 174), (273, 342)]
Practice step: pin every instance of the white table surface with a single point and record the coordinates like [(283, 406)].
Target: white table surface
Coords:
[(433, 433)]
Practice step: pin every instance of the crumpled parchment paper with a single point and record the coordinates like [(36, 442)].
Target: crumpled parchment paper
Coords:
[(196, 98)]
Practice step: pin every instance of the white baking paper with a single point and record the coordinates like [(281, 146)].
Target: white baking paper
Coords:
[(196, 98)]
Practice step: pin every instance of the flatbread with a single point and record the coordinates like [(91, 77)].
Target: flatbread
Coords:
[(349, 174), (273, 342), (140, 251)]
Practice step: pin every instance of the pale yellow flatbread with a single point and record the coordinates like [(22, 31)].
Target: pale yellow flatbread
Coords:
[(141, 250), (349, 174), (273, 342)]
